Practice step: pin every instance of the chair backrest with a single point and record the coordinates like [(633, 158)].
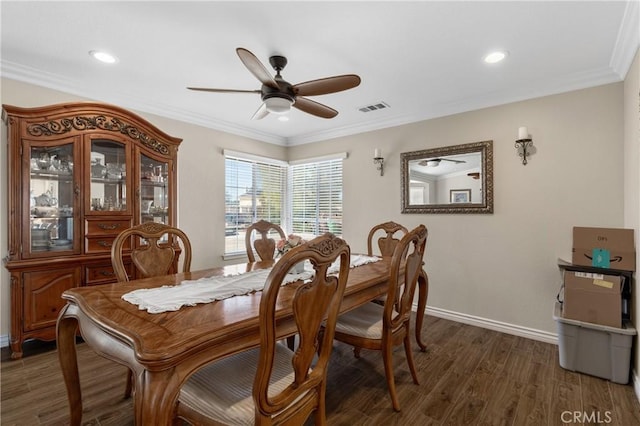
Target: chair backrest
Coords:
[(264, 246), (386, 243), (315, 302), (405, 268), (155, 255)]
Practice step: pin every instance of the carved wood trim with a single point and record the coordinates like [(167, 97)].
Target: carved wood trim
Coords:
[(101, 122)]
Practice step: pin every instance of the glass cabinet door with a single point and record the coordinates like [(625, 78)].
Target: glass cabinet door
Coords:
[(108, 171), (154, 190), (52, 198)]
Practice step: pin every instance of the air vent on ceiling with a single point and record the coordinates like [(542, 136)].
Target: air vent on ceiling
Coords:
[(374, 107)]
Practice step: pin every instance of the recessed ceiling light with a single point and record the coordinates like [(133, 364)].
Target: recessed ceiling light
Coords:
[(283, 118), (494, 57), (105, 57)]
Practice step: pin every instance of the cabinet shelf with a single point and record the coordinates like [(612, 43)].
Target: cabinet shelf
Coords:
[(152, 184), (121, 181), (51, 174)]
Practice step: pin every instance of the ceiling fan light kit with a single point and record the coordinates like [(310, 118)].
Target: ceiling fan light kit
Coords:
[(278, 95), (278, 105), (435, 162)]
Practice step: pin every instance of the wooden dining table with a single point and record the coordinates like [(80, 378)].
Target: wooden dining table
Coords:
[(164, 349)]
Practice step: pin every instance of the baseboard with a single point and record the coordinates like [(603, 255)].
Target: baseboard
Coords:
[(503, 327), (636, 383), (4, 341)]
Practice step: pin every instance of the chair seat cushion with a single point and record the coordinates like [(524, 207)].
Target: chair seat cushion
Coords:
[(223, 389), (364, 321)]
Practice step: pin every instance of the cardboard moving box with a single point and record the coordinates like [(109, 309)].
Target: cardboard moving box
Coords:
[(604, 248), (593, 298)]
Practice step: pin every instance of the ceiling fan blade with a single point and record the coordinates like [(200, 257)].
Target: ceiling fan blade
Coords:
[(314, 108), (256, 68), (207, 89), (261, 112), (327, 85), (453, 161)]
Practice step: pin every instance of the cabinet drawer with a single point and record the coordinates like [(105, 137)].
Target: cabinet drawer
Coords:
[(103, 273), (102, 244), (96, 227)]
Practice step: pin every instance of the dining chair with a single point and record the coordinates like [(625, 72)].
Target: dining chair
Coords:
[(272, 384), (382, 327), (152, 256), (264, 246), (388, 241), (387, 235)]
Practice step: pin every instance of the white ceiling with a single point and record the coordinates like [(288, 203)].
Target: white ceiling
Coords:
[(422, 58)]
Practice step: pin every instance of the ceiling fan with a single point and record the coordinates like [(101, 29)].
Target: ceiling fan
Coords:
[(278, 95), (435, 162)]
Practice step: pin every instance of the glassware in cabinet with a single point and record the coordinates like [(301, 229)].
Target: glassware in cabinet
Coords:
[(154, 190), (52, 198), (108, 175)]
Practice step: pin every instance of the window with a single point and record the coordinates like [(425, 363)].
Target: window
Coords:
[(254, 190), (304, 198), (316, 198)]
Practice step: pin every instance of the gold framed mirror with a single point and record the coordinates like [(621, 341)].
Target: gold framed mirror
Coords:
[(451, 179)]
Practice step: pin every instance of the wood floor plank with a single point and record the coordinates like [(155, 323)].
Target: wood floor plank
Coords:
[(468, 376), (565, 398), (596, 397), (438, 403), (501, 408), (533, 405), (466, 411), (518, 366), (625, 403)]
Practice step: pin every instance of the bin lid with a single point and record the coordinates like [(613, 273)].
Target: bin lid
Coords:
[(627, 327)]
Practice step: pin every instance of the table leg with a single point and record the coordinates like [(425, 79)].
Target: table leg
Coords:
[(423, 292), (66, 329), (155, 397)]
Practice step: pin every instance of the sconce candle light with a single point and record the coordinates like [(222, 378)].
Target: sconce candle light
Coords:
[(378, 160), (523, 143)]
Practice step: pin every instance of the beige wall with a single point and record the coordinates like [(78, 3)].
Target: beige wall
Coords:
[(499, 269), (632, 183)]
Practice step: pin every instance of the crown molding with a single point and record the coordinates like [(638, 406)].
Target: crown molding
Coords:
[(627, 41)]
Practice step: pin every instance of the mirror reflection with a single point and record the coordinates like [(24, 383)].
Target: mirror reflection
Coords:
[(454, 179)]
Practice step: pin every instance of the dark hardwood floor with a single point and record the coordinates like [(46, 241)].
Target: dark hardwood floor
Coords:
[(469, 376)]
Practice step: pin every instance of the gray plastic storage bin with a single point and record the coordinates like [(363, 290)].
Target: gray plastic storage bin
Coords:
[(594, 349)]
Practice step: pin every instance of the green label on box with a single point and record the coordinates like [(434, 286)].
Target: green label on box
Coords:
[(601, 258)]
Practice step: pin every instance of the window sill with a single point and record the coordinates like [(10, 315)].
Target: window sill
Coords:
[(235, 256)]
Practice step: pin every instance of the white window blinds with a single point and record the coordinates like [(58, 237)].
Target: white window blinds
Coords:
[(316, 198), (254, 190)]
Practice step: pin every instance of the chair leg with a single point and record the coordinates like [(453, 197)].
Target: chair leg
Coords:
[(129, 387), (387, 358), (320, 415), (409, 354), (356, 352)]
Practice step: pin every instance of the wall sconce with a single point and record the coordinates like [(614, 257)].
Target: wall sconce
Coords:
[(378, 160), (524, 144)]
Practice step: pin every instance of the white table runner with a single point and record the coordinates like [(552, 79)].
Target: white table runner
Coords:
[(204, 290)]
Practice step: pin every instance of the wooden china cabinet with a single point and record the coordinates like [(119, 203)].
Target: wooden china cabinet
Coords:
[(79, 174)]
